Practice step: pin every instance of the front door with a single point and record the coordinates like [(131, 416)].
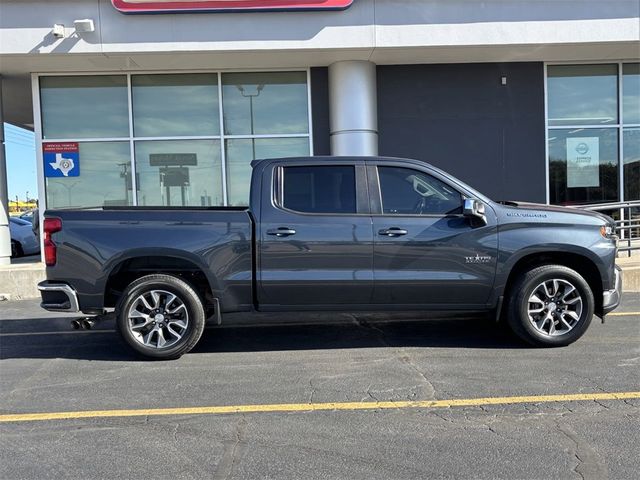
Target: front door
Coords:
[(425, 251), (316, 240)]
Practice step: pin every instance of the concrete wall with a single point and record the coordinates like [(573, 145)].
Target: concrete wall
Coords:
[(25, 26), (381, 31), (463, 120)]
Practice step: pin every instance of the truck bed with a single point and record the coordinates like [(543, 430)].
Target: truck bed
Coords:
[(95, 242)]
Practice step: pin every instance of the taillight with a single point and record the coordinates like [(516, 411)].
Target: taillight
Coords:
[(50, 226)]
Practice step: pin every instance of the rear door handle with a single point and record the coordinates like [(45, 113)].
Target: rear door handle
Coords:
[(281, 232), (393, 232)]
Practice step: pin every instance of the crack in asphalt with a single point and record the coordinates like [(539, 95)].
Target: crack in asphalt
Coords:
[(233, 452), (175, 433), (405, 358), (377, 331), (313, 391), (589, 464), (402, 354), (370, 393)]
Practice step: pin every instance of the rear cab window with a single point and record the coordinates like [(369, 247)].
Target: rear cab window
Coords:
[(319, 189)]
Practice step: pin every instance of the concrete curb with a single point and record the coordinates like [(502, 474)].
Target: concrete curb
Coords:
[(630, 273), (19, 282)]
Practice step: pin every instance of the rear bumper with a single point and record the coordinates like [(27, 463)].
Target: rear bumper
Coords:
[(58, 297), (611, 298)]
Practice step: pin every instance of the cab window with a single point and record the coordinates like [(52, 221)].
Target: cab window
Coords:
[(405, 191), (319, 189)]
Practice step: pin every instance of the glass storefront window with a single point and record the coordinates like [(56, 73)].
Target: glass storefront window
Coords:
[(175, 105), (105, 178), (631, 146), (583, 165), (582, 94), (84, 107), (265, 115), (179, 173), (265, 103), (240, 153), (631, 93)]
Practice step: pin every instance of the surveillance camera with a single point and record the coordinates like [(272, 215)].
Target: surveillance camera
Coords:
[(58, 30)]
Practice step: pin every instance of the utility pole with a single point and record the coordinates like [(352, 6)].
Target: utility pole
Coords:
[(5, 234)]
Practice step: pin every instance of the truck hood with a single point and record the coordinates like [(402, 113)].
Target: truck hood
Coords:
[(541, 207)]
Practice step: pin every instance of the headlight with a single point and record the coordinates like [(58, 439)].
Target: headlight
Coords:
[(607, 231)]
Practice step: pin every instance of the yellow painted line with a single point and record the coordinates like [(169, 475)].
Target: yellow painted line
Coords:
[(313, 407), (622, 314)]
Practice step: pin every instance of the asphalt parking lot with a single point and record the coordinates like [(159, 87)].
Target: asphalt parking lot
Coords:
[(286, 369)]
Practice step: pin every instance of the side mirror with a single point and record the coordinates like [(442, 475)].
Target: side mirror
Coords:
[(475, 209)]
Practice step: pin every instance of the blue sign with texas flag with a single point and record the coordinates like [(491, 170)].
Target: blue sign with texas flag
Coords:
[(61, 159)]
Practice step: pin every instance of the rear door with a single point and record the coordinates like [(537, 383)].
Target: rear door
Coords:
[(315, 236), (425, 251)]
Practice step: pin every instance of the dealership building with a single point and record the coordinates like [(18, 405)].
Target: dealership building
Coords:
[(150, 102)]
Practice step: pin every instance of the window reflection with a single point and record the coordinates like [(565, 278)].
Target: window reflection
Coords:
[(582, 94), (265, 103), (410, 192), (240, 153), (583, 165), (631, 93), (84, 107), (105, 178), (179, 173), (631, 146), (174, 105), (171, 171)]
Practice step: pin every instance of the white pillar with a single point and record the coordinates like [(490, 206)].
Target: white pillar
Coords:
[(5, 234), (353, 108)]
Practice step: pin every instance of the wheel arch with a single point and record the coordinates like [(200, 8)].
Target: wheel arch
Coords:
[(579, 262), (135, 264)]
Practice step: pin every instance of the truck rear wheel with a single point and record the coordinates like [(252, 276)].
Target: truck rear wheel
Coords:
[(160, 316), (550, 306)]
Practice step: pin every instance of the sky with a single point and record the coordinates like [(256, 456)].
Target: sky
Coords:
[(21, 162)]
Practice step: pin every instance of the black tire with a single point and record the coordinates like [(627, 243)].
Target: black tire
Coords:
[(193, 306), (518, 306), (16, 249)]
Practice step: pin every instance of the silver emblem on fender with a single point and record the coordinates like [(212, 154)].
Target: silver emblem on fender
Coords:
[(478, 259)]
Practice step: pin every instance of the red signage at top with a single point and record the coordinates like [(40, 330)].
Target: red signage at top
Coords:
[(177, 6)]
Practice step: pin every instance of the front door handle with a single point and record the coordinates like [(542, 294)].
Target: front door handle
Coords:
[(281, 232), (393, 232)]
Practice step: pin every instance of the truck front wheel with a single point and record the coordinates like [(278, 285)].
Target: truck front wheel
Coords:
[(160, 316), (550, 306)]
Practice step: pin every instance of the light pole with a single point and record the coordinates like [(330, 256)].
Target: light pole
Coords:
[(124, 173), (69, 187), (250, 96)]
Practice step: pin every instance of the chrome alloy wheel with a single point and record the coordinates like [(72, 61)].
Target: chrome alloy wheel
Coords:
[(555, 307), (158, 319)]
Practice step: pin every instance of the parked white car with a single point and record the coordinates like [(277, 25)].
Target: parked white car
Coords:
[(23, 240)]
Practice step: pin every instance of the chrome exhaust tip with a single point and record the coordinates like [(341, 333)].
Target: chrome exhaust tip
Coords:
[(87, 324), (75, 324)]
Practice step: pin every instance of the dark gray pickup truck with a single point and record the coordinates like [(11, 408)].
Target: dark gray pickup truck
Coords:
[(333, 233)]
